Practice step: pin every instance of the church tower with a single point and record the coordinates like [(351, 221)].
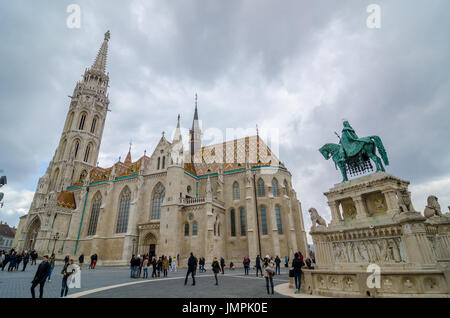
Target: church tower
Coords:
[(79, 146), (195, 134)]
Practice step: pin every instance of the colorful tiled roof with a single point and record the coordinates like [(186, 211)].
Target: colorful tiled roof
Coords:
[(232, 155), (66, 200)]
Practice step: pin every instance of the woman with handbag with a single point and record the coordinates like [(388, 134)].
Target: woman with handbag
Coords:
[(269, 271)]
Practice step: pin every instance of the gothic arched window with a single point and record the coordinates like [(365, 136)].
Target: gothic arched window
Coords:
[(163, 162), (94, 122), (263, 220), (278, 217), (233, 222), (158, 199), (124, 210), (194, 228), (275, 187), (218, 229), (186, 229), (92, 229), (243, 222), (86, 154), (77, 146), (63, 150), (236, 191), (69, 122), (159, 161), (261, 188), (82, 121), (286, 187)]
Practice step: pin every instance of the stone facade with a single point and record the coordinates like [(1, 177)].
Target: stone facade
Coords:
[(232, 199), (374, 222)]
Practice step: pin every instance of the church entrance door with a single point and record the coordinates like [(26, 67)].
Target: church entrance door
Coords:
[(152, 250)]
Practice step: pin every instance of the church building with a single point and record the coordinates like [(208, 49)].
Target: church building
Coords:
[(231, 199)]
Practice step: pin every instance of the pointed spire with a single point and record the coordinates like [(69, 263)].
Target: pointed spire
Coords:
[(177, 134), (196, 113), (100, 61), (178, 123), (128, 158)]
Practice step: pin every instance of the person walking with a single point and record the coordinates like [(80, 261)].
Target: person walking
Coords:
[(159, 266), (81, 260), (67, 270), (216, 269), (6, 260), (258, 266), (286, 261), (145, 267), (246, 263), (26, 259), (277, 265), (19, 258), (297, 264), (12, 262), (192, 267), (268, 272), (170, 262), (52, 266), (132, 264), (40, 277), (66, 259), (34, 256), (165, 265), (222, 264), (174, 265), (154, 267)]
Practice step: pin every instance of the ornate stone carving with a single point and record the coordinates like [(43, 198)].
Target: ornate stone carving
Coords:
[(316, 219), (433, 207), (404, 201)]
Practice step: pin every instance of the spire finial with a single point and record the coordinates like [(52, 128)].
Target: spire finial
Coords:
[(178, 122), (100, 60), (257, 131), (129, 150)]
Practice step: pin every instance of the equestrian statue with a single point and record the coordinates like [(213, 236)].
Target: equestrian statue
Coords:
[(352, 153)]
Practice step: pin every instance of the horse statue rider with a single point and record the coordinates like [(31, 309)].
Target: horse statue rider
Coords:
[(354, 150)]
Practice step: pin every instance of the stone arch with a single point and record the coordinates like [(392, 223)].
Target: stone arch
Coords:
[(76, 147), (82, 120), (32, 233), (69, 121), (275, 187), (124, 210), (54, 179), (236, 191), (94, 124), (158, 195), (260, 187), (62, 150), (149, 244)]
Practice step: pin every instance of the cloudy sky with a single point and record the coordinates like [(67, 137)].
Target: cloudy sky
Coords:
[(299, 67)]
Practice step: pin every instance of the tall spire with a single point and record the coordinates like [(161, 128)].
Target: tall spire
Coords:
[(128, 158), (100, 61), (196, 112)]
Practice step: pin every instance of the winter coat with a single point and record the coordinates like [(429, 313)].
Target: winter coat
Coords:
[(192, 263), (216, 267), (42, 272)]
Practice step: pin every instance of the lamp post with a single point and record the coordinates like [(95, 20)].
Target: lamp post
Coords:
[(55, 238)]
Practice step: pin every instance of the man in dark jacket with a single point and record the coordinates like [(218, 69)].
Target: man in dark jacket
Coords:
[(26, 259), (277, 265), (192, 266), (41, 275), (297, 264), (222, 264), (258, 266), (81, 260)]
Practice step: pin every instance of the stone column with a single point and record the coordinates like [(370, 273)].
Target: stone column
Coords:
[(336, 216), (391, 201), (274, 234), (361, 210), (291, 227), (252, 229), (415, 240)]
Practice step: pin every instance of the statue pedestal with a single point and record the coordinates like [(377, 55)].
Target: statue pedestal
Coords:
[(374, 223)]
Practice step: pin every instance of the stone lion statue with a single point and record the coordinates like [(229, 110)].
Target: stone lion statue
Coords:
[(404, 201), (433, 208), (316, 218)]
